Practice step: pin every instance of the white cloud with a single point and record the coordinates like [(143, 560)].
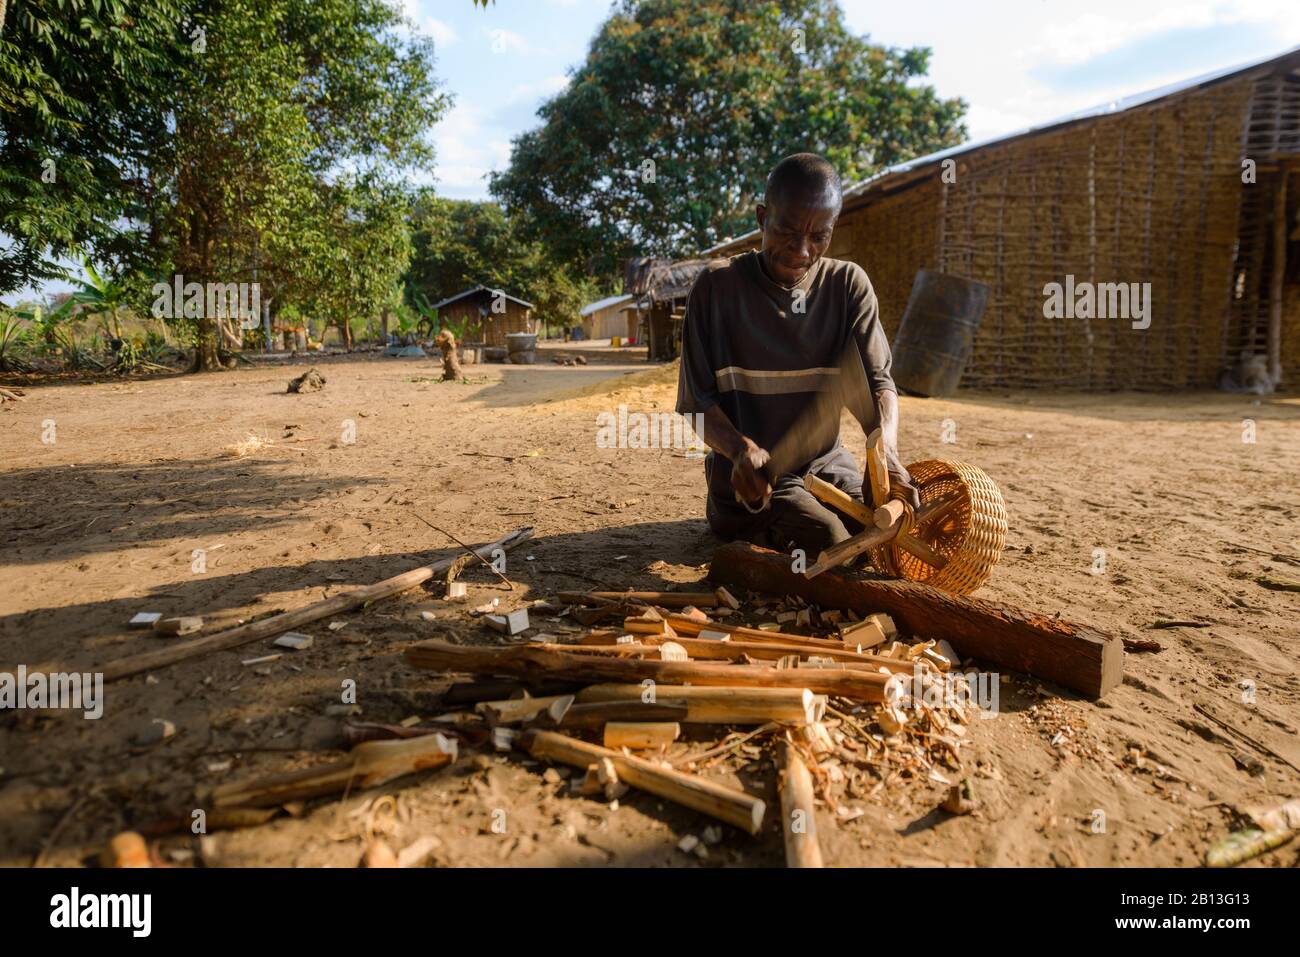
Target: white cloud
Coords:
[(1000, 65), (443, 34), (467, 150), (543, 88)]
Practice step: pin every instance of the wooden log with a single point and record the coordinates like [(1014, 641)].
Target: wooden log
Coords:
[(877, 469), (664, 599), (515, 710), (840, 500), (685, 627), (851, 548), (703, 650), (524, 660), (367, 765), (596, 714), (711, 705), (700, 794), (269, 627), (498, 689), (1076, 656), (798, 812), (641, 735)]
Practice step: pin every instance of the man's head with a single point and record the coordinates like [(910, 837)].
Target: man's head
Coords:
[(797, 215)]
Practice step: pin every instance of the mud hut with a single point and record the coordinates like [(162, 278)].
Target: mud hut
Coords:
[(489, 315), (1193, 188)]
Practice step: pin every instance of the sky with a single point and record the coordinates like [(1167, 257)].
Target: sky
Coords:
[(1015, 62)]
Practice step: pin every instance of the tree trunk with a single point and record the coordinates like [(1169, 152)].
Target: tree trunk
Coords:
[(345, 334), (451, 371), (1046, 646), (207, 349)]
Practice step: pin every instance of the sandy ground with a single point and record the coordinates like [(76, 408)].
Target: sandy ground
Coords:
[(104, 521)]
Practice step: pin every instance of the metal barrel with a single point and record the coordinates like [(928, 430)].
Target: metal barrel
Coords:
[(935, 338), (521, 341)]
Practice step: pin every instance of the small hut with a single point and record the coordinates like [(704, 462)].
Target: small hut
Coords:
[(1193, 189), (489, 314), (659, 288), (607, 319)]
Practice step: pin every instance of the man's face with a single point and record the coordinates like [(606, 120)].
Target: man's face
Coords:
[(796, 232)]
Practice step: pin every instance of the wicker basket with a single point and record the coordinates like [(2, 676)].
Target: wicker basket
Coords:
[(970, 536)]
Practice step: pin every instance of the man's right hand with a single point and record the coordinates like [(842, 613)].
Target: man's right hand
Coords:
[(747, 476)]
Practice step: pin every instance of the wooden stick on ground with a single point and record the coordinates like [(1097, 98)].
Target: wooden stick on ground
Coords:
[(1076, 656), (170, 654), (367, 765), (798, 815), (794, 706), (700, 794), (664, 599), (523, 660)]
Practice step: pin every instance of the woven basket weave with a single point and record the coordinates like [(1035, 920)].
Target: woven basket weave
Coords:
[(971, 536)]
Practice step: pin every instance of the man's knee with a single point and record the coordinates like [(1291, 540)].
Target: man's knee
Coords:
[(800, 521)]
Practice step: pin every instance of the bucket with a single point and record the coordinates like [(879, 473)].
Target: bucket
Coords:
[(525, 358), (935, 338)]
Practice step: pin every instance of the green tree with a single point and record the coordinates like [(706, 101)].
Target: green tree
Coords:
[(286, 105), (370, 249), (80, 86), (662, 139), (460, 243)]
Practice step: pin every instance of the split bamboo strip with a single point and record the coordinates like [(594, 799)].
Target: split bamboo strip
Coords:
[(715, 705), (798, 812), (522, 660), (700, 794)]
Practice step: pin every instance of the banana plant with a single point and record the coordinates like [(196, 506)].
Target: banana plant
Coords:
[(103, 297)]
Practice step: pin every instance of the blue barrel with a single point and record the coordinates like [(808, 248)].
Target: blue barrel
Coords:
[(935, 338)]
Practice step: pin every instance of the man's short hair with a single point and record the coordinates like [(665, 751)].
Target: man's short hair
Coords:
[(805, 176)]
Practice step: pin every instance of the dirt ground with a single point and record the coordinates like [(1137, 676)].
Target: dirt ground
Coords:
[(104, 521)]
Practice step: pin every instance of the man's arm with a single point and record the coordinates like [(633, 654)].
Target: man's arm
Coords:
[(747, 459)]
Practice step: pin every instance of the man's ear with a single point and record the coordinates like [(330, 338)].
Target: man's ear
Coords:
[(760, 213)]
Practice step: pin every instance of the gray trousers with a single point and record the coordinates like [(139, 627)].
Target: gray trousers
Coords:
[(794, 518)]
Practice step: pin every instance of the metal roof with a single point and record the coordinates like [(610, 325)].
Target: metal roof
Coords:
[(1094, 112), (480, 288), (600, 304)]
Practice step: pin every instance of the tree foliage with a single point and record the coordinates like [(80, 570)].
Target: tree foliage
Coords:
[(661, 141), (80, 86), (458, 244)]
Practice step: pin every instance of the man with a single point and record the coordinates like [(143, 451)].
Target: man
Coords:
[(764, 332)]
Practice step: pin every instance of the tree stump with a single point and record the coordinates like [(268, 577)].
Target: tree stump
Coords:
[(446, 343)]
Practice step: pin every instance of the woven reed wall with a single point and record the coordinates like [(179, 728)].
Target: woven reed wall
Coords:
[(891, 238), (1148, 195)]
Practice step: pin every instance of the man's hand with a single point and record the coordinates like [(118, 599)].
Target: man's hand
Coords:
[(900, 479), (747, 476)]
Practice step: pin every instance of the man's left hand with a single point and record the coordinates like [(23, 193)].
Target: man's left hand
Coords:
[(901, 480)]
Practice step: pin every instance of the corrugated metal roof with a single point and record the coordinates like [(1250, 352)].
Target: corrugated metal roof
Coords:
[(1091, 113), (480, 288), (600, 304)]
